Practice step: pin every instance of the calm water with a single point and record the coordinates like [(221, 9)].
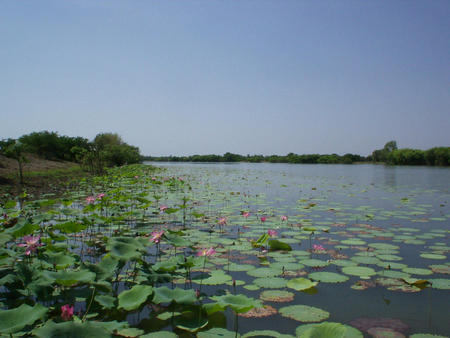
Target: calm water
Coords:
[(404, 206)]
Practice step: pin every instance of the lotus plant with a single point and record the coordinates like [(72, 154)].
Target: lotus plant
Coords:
[(205, 253), (31, 244)]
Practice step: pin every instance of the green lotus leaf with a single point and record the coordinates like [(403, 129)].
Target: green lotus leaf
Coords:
[(72, 329), (328, 277), (304, 313), (70, 227), (394, 274), (123, 251), (440, 283), (16, 319), (160, 334), (433, 256), (107, 302), (133, 298), (327, 329), (389, 257), (314, 262), (217, 332), (359, 271), (343, 262), (426, 335), (165, 295), (300, 284), (270, 282), (418, 271), (240, 267), (264, 272), (130, 332), (266, 333), (277, 296), (68, 278), (191, 321), (217, 277), (353, 241), (276, 245), (366, 260), (383, 246), (239, 303), (59, 259)]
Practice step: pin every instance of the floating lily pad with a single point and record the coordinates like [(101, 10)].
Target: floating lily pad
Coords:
[(217, 332), (327, 329), (304, 313), (328, 277), (264, 272), (314, 262), (440, 283), (418, 271), (270, 282), (160, 334), (433, 256), (440, 268), (300, 284), (384, 332), (278, 296), (359, 271), (266, 333)]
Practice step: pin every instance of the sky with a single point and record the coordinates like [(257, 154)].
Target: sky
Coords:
[(243, 76)]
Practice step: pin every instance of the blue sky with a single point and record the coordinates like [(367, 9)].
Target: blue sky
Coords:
[(250, 76)]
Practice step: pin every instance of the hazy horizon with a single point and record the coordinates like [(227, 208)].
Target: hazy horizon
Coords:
[(247, 77)]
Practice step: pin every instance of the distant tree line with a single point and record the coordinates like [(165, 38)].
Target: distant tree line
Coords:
[(106, 150), (289, 158), (390, 154)]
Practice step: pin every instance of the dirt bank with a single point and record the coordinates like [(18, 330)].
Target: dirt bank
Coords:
[(40, 176)]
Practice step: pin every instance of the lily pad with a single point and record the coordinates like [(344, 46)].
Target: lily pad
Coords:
[(440, 283), (327, 329), (304, 313), (300, 284), (72, 329), (270, 282), (359, 271), (16, 319), (278, 296), (328, 277), (133, 298), (418, 271)]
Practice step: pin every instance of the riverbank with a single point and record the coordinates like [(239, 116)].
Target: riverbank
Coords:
[(40, 176)]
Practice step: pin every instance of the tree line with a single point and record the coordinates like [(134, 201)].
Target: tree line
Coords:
[(105, 150), (389, 154)]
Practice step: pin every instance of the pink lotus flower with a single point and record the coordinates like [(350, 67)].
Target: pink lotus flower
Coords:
[(66, 312), (222, 221), (156, 236), (272, 233), (90, 199), (31, 243), (318, 247), (206, 252), (136, 176), (263, 218), (100, 196), (284, 218), (245, 214), (163, 208)]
